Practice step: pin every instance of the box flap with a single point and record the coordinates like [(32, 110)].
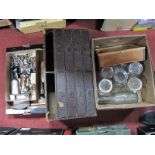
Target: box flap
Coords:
[(24, 47)]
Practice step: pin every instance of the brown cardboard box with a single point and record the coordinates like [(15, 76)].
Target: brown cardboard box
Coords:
[(148, 92), (5, 22), (30, 26), (118, 24), (35, 102)]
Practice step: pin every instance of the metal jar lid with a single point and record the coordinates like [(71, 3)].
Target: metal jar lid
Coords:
[(121, 76), (107, 72), (105, 86), (135, 84), (135, 68)]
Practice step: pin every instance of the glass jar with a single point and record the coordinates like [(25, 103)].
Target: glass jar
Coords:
[(135, 69), (107, 72), (105, 87), (135, 84), (120, 77)]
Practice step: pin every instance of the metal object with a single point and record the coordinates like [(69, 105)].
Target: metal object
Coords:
[(105, 87), (135, 84), (135, 68), (107, 73), (6, 130), (22, 67), (146, 130), (24, 63), (119, 98), (120, 76)]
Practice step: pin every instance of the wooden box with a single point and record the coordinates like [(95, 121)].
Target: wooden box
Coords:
[(148, 91), (111, 56), (69, 74)]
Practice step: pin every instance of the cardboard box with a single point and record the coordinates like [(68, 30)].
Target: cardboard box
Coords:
[(148, 92), (35, 104), (118, 24), (5, 22), (30, 26)]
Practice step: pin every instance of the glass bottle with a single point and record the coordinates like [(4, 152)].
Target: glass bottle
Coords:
[(119, 98), (14, 82)]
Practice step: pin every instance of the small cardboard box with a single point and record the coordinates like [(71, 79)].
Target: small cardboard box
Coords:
[(5, 22), (36, 106), (148, 92), (30, 26)]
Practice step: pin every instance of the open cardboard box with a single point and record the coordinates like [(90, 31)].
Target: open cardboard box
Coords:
[(36, 104), (148, 92)]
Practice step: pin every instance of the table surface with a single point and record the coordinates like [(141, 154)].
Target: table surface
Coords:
[(12, 38)]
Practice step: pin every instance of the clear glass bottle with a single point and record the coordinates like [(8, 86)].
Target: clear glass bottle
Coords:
[(119, 98), (14, 82)]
